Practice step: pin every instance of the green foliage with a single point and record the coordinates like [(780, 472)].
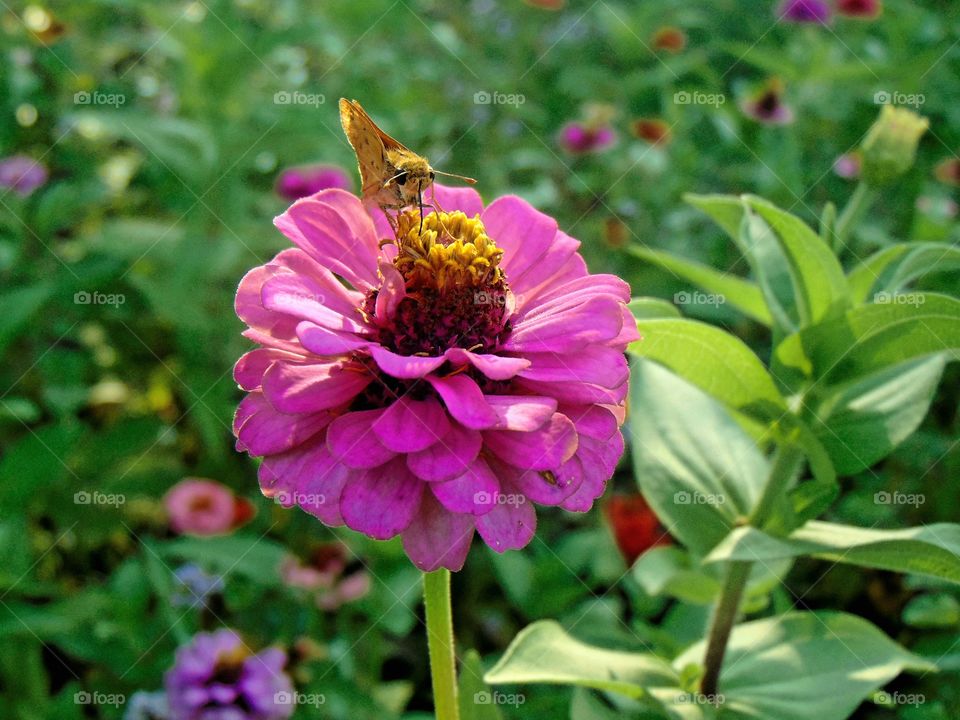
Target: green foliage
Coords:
[(837, 348)]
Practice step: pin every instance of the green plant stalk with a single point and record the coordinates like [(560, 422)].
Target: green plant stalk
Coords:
[(443, 669), (785, 465), (852, 214)]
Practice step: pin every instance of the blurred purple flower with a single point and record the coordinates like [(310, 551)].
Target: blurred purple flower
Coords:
[(22, 174), (847, 166), (863, 9), (767, 106), (298, 182), (216, 677), (578, 138), (804, 11)]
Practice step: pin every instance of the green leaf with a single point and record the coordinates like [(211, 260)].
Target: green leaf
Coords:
[(670, 571), (800, 278), (871, 337), (932, 550), (741, 294), (476, 700), (648, 307), (19, 307), (893, 268), (697, 468), (760, 247), (804, 666), (862, 422), (182, 147), (715, 361), (820, 287), (255, 558), (936, 610), (544, 653)]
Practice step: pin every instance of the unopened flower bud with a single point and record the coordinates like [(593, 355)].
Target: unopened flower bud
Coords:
[(890, 146)]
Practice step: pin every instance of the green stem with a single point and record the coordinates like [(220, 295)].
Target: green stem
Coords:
[(443, 669), (722, 624), (852, 214), (785, 465)]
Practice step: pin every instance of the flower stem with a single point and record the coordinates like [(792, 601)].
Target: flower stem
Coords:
[(785, 465), (722, 624), (854, 211), (443, 671)]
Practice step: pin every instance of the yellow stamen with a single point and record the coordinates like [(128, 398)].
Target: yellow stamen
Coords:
[(450, 250)]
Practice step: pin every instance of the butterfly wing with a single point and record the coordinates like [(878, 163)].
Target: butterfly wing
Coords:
[(366, 139)]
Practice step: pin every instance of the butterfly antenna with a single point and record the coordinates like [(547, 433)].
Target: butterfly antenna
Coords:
[(466, 179)]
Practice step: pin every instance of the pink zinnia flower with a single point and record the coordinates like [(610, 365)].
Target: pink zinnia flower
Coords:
[(204, 507), (299, 182), (435, 385)]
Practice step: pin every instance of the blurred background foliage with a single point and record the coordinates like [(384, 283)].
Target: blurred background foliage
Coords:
[(165, 198)]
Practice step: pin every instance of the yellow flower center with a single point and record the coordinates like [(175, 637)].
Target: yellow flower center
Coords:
[(446, 251)]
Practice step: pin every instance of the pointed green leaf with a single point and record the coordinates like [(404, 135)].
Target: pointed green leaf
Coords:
[(545, 653), (890, 270), (742, 294), (932, 550), (804, 666), (862, 422), (698, 469), (715, 361)]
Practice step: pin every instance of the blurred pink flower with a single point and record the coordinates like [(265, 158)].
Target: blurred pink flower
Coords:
[(804, 11), (299, 182), (579, 138), (847, 165), (196, 506), (437, 384), (22, 174), (325, 575)]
